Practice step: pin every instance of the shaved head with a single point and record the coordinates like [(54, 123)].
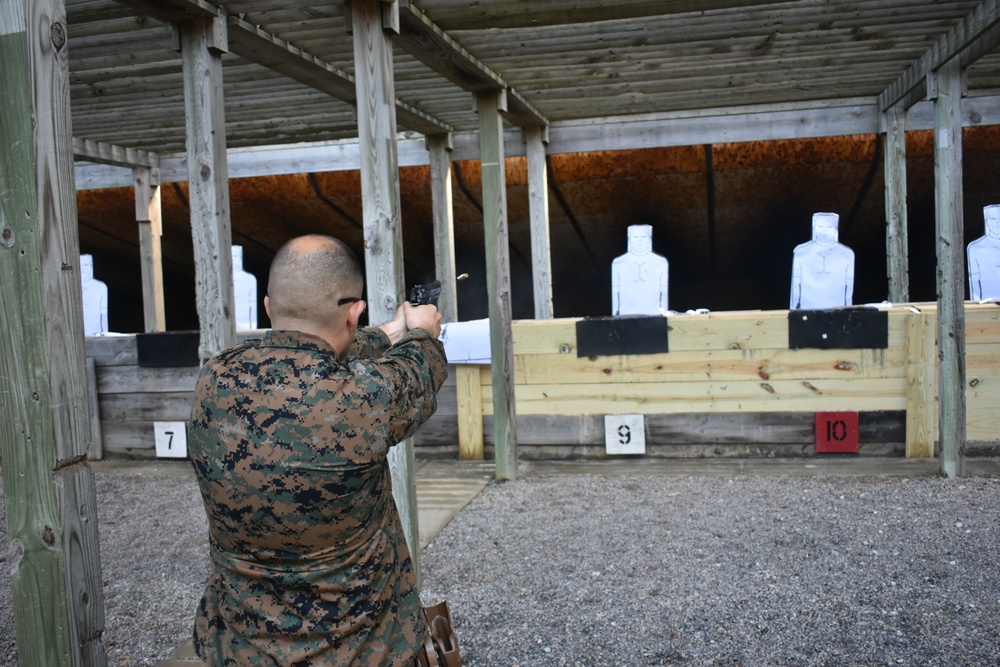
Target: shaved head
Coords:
[(308, 276)]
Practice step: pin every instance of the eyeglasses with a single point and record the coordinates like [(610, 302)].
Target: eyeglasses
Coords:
[(352, 299)]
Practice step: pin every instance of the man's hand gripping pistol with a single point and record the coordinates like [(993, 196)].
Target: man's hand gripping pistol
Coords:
[(426, 294)]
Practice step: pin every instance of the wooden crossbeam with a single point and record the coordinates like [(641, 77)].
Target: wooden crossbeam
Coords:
[(435, 48), (973, 37), (120, 156), (263, 48), (520, 112), (540, 13), (428, 43), (258, 46), (174, 11)]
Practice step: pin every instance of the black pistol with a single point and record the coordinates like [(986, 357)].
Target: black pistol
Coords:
[(426, 294)]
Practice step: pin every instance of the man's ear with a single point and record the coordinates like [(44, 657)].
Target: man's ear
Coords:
[(354, 314), (267, 306)]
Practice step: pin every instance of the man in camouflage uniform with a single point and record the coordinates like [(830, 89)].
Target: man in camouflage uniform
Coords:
[(289, 438)]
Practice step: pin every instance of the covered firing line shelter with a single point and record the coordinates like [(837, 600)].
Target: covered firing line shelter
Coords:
[(125, 86)]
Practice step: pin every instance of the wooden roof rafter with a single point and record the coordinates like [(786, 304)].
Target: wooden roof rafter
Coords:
[(174, 11), (270, 51), (975, 36), (431, 45), (258, 46), (541, 13), (119, 156)]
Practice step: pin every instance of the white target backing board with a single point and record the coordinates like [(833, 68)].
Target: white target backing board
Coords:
[(624, 434), (171, 439)]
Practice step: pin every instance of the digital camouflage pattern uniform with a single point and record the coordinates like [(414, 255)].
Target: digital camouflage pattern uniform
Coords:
[(309, 561)]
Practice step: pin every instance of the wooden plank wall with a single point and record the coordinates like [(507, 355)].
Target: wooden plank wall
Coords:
[(982, 373), (131, 398), (728, 387)]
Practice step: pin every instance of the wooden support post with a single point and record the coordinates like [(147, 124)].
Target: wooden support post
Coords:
[(96, 451), (897, 257), (921, 385), (491, 154), (208, 182), (950, 266), (469, 391), (148, 215), (53, 559), (439, 146), (382, 221), (538, 205)]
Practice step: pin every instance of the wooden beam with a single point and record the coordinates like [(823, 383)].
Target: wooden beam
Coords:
[(469, 398), (491, 153), (121, 156), (148, 215), (435, 48), (896, 244), (974, 35), (520, 112), (383, 220), (208, 181), (950, 268), (96, 451), (538, 212), (534, 14), (263, 48), (44, 429), (753, 123), (921, 384), (439, 148), (174, 11)]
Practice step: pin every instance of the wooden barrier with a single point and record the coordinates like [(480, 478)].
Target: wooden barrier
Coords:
[(728, 387), (725, 372), (131, 398)]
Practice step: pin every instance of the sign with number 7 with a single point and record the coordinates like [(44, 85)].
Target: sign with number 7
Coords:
[(171, 439)]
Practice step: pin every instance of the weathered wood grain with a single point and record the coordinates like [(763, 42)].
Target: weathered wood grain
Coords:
[(921, 385), (112, 350), (525, 14), (469, 405), (950, 267), (538, 204), (208, 185), (710, 365), (439, 148), (896, 244), (983, 403), (85, 585), (498, 280), (382, 217), (756, 330), (96, 451), (159, 406), (972, 29), (44, 431), (149, 214), (751, 396), (143, 380)]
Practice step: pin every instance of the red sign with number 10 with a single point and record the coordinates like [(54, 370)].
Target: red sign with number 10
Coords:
[(836, 432)]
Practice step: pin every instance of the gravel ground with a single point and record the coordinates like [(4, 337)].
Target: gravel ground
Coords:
[(611, 571)]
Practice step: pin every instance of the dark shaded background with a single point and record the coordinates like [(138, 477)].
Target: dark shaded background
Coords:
[(726, 216)]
